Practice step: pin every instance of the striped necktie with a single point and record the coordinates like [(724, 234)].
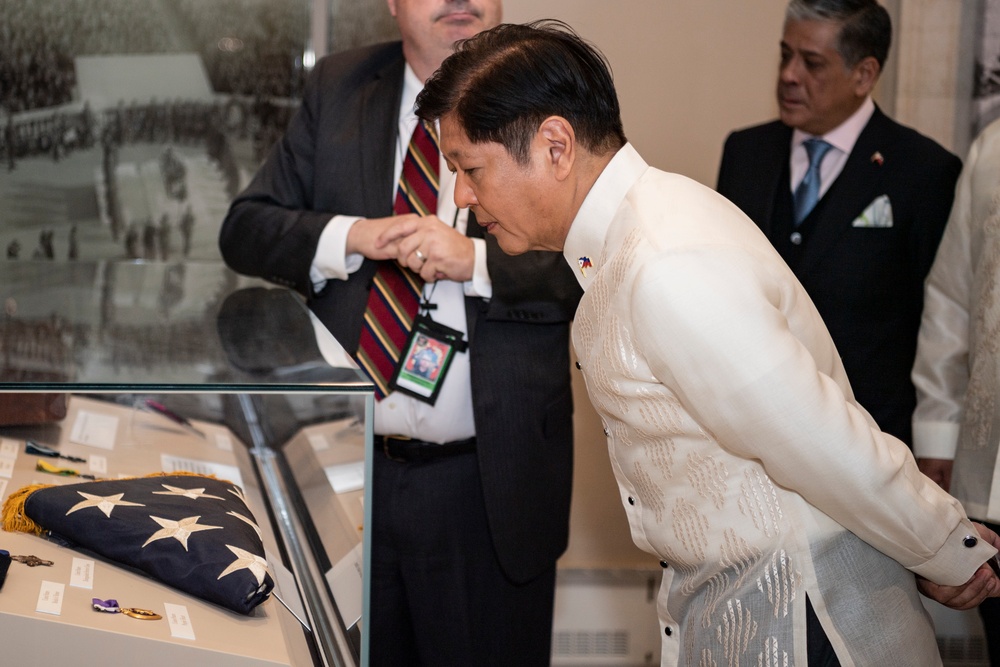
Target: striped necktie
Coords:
[(395, 295)]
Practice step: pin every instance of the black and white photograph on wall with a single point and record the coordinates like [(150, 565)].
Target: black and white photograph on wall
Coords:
[(986, 84), (126, 127)]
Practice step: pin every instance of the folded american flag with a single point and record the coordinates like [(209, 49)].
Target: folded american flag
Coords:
[(192, 532)]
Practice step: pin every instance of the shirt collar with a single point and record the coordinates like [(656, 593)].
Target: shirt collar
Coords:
[(585, 240), (844, 136), (411, 88)]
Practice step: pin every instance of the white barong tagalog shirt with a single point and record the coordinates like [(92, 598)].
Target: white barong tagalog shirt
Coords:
[(742, 460)]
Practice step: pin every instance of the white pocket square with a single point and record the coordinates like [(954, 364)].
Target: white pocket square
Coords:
[(878, 214)]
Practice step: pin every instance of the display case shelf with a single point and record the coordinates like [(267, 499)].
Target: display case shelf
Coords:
[(270, 398)]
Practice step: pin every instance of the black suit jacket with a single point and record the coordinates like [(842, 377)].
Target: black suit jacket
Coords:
[(866, 282), (337, 158)]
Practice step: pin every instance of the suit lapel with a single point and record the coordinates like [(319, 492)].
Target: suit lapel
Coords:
[(855, 188), (379, 127), (772, 158)]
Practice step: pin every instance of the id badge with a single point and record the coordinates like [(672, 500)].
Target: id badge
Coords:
[(426, 359)]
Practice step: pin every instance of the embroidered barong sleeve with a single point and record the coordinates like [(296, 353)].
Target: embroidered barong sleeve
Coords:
[(711, 321), (941, 369)]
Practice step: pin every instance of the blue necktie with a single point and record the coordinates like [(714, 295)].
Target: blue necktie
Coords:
[(807, 193)]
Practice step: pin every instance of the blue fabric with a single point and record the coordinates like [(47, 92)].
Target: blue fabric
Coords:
[(129, 522)]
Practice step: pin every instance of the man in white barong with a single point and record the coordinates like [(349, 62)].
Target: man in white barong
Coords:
[(791, 530)]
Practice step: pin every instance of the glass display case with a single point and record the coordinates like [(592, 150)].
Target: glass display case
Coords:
[(137, 368)]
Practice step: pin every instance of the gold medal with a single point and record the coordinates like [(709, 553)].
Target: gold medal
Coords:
[(111, 607), (141, 614)]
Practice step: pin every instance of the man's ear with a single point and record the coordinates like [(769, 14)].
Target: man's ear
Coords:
[(556, 137), (866, 75)]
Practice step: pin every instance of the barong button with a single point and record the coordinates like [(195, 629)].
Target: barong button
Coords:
[(667, 631), (579, 366), (664, 564), (631, 500), (970, 541)]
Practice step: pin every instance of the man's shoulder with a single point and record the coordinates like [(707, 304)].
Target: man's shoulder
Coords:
[(911, 142), (669, 206), (765, 142), (989, 135), (362, 60), (770, 131)]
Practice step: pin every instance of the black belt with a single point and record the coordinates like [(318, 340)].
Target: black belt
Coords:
[(407, 450)]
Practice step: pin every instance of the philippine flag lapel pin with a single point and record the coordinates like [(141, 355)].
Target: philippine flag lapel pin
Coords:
[(585, 264)]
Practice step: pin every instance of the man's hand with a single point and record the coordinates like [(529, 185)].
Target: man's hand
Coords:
[(430, 247), (938, 470), (363, 236), (983, 584)]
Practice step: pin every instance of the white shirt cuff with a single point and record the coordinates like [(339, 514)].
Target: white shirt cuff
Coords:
[(332, 261), (481, 285), (935, 440), (956, 562)]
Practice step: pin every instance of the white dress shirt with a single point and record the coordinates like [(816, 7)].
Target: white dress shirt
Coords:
[(451, 417)]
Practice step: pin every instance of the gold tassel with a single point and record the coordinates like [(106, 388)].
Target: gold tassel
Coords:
[(179, 473), (14, 518), (182, 473)]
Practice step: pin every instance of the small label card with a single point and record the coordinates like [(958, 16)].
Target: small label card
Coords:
[(98, 464), (319, 442), (3, 489), (346, 476), (180, 623), (50, 598), (224, 442), (82, 575), (221, 470), (346, 583), (285, 588), (9, 449), (94, 429), (6, 468)]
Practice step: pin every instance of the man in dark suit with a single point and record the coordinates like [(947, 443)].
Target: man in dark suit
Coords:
[(881, 194), (470, 494)]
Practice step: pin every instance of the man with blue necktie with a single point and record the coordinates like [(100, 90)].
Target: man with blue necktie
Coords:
[(854, 202)]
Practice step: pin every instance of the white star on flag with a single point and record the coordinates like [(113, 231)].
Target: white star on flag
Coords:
[(104, 503), (238, 492), (193, 494), (179, 530), (246, 561)]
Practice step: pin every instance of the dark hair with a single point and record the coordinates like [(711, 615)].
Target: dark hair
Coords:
[(866, 29), (504, 82)]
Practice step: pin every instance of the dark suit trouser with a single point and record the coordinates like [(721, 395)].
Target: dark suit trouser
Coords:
[(819, 649), (989, 611), (439, 597)]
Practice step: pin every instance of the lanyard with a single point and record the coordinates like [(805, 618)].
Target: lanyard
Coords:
[(425, 297)]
